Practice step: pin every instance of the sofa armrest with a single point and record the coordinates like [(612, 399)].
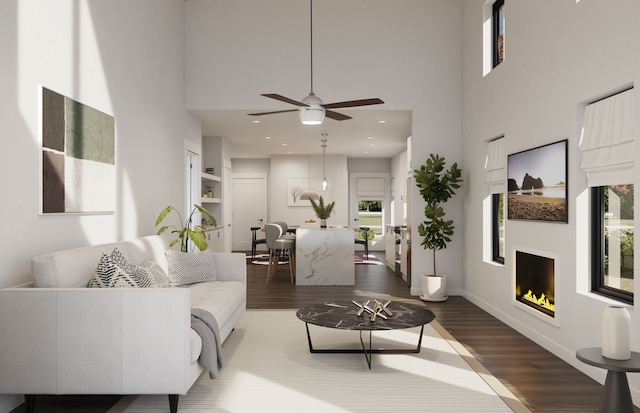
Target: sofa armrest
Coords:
[(231, 266), (94, 341)]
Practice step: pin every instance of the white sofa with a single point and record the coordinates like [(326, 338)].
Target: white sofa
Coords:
[(64, 338)]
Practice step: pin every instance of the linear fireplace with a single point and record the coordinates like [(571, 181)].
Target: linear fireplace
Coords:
[(534, 274)]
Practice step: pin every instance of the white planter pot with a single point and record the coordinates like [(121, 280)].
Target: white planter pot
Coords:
[(616, 333), (434, 287)]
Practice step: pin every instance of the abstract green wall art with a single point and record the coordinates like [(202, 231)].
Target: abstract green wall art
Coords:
[(78, 157)]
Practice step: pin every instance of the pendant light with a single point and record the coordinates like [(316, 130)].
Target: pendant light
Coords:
[(324, 175), (309, 193)]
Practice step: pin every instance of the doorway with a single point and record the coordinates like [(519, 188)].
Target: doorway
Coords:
[(193, 183), (251, 199), (369, 205)]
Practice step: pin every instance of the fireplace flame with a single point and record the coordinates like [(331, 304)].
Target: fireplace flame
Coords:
[(543, 301)]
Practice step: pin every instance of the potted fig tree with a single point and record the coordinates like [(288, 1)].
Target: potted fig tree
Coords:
[(437, 185)]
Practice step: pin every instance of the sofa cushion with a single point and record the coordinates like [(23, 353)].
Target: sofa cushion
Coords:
[(190, 267), (220, 298)]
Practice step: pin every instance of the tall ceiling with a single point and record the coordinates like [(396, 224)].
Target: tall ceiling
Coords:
[(370, 133)]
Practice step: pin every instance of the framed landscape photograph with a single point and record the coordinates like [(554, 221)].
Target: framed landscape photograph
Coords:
[(537, 183)]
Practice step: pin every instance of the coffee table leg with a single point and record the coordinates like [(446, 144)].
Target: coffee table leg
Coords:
[(367, 354), (311, 350)]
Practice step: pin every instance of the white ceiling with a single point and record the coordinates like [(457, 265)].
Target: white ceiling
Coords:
[(363, 136)]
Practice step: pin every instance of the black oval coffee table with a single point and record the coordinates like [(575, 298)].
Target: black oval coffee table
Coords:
[(343, 315)]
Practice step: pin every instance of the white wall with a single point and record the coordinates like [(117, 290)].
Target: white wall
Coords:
[(559, 55), (409, 55), (124, 58), (284, 167)]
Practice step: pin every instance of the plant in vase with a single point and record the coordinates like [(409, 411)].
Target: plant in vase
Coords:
[(436, 185), (323, 212), (187, 231)]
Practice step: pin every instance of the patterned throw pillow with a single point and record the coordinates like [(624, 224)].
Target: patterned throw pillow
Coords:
[(154, 272), (190, 267), (114, 271)]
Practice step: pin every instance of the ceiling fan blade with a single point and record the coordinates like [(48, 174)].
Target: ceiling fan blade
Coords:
[(335, 115), (271, 113), (351, 103), (282, 99)]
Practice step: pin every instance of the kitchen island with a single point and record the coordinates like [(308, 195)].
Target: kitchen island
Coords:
[(325, 256)]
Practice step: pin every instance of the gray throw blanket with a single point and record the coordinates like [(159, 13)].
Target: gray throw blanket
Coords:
[(206, 326)]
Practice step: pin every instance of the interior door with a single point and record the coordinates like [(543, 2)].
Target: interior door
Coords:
[(250, 208), (227, 232)]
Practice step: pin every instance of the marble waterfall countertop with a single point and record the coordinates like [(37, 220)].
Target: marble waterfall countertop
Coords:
[(325, 256)]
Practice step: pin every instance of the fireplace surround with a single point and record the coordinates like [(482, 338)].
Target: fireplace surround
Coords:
[(534, 275)]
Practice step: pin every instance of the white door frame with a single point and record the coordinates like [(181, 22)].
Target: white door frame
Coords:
[(386, 202), (242, 238)]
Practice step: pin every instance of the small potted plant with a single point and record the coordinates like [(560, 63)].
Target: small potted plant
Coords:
[(323, 212), (187, 231), (436, 185)]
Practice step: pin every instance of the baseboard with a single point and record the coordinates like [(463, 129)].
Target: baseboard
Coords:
[(558, 350), (8, 402)]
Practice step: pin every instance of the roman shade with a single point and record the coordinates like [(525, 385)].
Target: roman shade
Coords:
[(371, 188), (496, 166), (607, 140)]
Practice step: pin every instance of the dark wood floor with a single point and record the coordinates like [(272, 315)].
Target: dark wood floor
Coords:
[(542, 381)]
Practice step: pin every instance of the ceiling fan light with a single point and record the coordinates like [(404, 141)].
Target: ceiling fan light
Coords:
[(311, 115)]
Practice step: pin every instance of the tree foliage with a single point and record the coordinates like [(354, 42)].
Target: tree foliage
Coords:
[(187, 230), (437, 185)]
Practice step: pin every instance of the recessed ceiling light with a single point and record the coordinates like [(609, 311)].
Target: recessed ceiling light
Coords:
[(369, 137), (284, 144), (267, 137), (382, 121), (255, 121)]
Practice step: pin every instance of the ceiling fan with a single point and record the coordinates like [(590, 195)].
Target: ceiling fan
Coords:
[(311, 109)]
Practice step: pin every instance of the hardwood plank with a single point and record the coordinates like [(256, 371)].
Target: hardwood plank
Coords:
[(542, 381)]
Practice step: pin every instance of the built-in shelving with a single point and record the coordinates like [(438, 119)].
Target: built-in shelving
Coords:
[(208, 177)]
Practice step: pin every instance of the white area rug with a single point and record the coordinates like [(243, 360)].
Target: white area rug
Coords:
[(268, 368)]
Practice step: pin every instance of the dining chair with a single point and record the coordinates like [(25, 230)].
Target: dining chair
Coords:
[(364, 241), (277, 244)]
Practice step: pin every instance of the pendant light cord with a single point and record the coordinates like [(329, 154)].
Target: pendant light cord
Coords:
[(311, 39)]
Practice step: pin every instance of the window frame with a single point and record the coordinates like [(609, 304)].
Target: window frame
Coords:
[(495, 227), (598, 250), (495, 13)]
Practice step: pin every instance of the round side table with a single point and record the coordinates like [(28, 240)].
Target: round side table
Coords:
[(616, 396)]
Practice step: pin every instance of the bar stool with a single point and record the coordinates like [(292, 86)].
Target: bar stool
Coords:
[(364, 241), (255, 241), (276, 244)]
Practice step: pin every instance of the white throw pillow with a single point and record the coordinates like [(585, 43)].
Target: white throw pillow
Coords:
[(190, 267)]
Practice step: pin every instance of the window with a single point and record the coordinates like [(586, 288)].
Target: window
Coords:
[(497, 227), (498, 32), (495, 177), (370, 216), (608, 161), (613, 241)]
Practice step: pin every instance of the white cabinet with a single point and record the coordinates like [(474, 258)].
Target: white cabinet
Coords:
[(214, 239)]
